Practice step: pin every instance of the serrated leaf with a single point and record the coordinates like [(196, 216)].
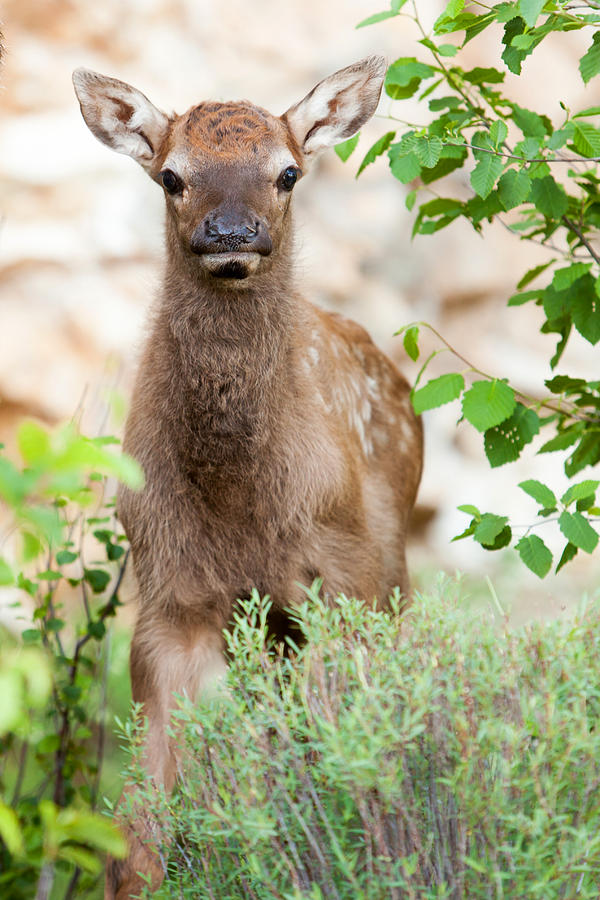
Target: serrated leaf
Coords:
[(562, 440), (585, 309), (589, 111), (540, 492), (578, 531), (347, 148), (589, 64), (535, 554), (485, 174), (376, 150), (568, 554), (532, 274), (530, 122), (405, 168), (505, 441), (580, 491), (437, 392), (514, 188), (587, 453), (586, 139), (488, 403), (410, 340), (488, 528), (549, 197), (498, 133), (530, 10), (480, 75), (565, 277), (428, 149)]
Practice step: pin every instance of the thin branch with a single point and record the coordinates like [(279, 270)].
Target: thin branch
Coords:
[(576, 230), (573, 411), (543, 159)]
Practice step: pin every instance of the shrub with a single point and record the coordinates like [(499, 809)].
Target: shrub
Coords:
[(429, 755), (69, 562), (540, 180)]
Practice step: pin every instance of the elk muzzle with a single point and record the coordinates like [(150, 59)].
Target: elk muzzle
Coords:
[(230, 242)]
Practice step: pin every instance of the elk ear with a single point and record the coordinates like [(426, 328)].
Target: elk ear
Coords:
[(120, 116), (338, 106)]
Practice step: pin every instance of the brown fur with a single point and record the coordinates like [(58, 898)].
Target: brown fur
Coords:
[(279, 444)]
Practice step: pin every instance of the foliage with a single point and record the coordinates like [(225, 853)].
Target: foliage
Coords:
[(70, 563), (540, 180), (428, 755)]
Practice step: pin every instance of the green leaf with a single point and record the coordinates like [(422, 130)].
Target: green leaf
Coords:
[(483, 76), (549, 197), (585, 308), (586, 139), (532, 274), (376, 150), (470, 510), (405, 168), (63, 557), (568, 554), (505, 441), (514, 188), (437, 392), (404, 77), (488, 403), (7, 576), (10, 830), (347, 148), (428, 149), (578, 531), (562, 440), (530, 10), (540, 492), (410, 200), (587, 453), (580, 491), (411, 337), (485, 174), (589, 64), (589, 111), (379, 17), (498, 133), (531, 123), (488, 528), (34, 442), (535, 554), (453, 7), (447, 50), (97, 579), (565, 277)]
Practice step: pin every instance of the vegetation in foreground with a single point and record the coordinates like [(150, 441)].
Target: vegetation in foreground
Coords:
[(429, 755)]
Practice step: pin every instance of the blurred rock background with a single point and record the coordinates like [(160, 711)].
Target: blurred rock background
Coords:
[(81, 229)]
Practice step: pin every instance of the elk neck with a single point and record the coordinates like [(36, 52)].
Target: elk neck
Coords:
[(233, 352)]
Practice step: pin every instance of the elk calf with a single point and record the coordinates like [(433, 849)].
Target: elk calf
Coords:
[(279, 444)]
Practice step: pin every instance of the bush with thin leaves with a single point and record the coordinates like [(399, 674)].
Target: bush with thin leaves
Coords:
[(425, 755)]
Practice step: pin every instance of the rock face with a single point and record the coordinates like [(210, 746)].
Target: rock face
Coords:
[(81, 233)]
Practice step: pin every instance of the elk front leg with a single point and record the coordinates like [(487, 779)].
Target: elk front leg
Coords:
[(165, 659)]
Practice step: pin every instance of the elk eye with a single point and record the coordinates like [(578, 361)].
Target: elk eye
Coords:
[(288, 178), (171, 182)]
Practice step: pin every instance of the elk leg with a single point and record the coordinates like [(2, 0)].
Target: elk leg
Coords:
[(164, 660)]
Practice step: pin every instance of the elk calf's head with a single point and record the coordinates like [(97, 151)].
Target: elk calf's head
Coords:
[(228, 170)]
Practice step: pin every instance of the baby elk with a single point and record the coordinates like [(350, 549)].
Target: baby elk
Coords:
[(279, 444)]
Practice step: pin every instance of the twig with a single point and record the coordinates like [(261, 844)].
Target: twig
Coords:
[(576, 230)]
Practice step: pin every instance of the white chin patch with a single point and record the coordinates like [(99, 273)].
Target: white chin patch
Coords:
[(234, 266)]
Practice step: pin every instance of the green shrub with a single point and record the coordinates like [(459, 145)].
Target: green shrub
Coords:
[(431, 755), (68, 559), (541, 180)]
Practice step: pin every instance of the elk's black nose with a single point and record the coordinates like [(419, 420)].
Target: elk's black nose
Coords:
[(228, 231)]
